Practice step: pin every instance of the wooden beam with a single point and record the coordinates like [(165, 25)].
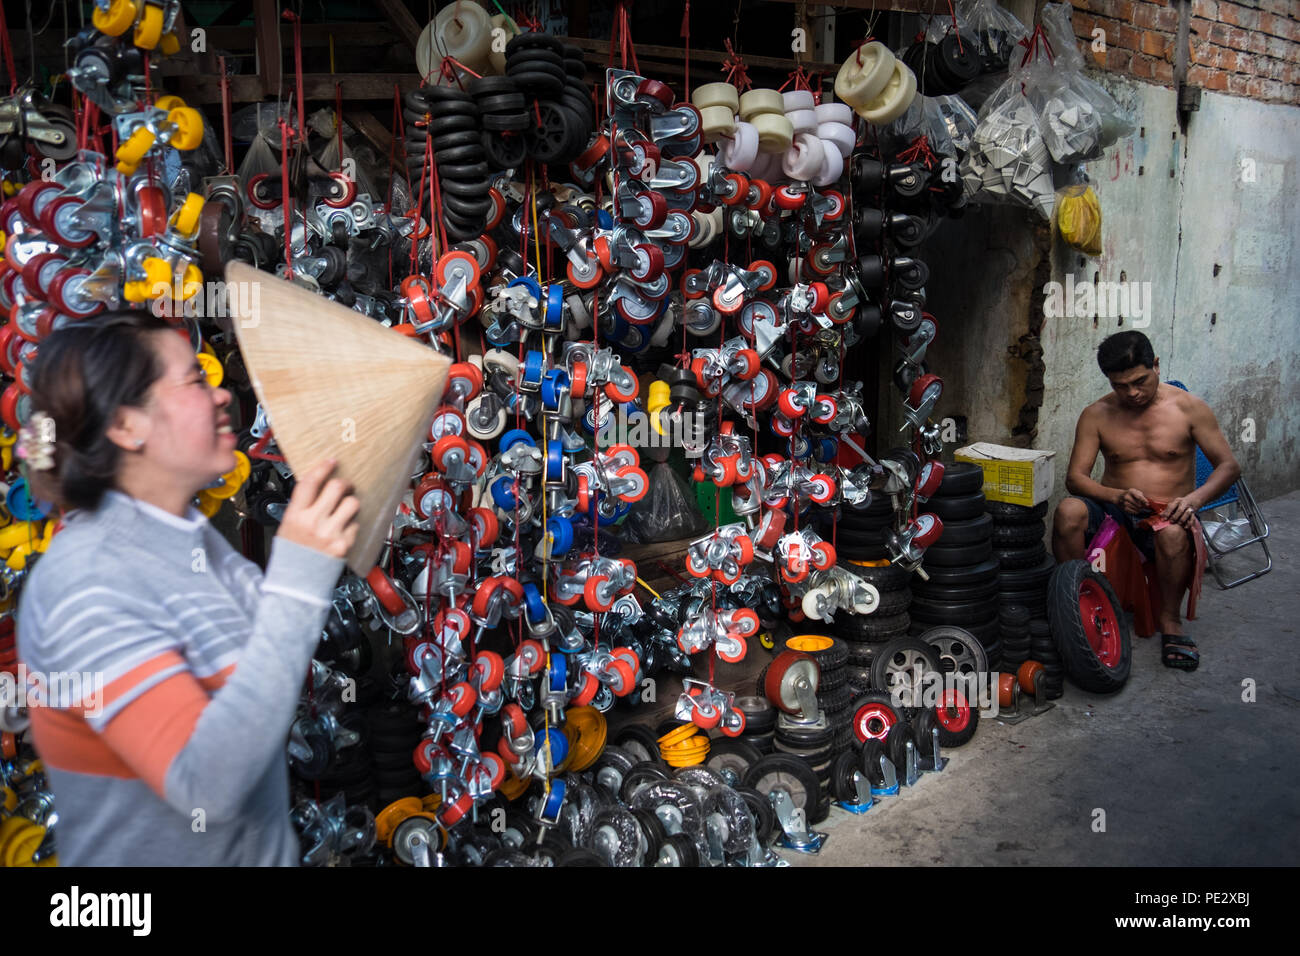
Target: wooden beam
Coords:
[(317, 87), (366, 34), (646, 51), (407, 28), (368, 125), (266, 22)]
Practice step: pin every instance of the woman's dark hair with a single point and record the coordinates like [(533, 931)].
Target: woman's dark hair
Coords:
[(82, 375), (1123, 351)]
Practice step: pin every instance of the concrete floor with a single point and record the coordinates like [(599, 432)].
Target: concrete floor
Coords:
[(1187, 773)]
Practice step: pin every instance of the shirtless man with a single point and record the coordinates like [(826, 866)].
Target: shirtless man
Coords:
[(1147, 432)]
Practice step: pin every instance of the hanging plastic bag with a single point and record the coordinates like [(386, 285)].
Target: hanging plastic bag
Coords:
[(668, 511), (1008, 160), (1078, 218), (995, 32)]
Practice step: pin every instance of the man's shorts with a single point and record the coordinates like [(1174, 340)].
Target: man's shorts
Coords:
[(1144, 539)]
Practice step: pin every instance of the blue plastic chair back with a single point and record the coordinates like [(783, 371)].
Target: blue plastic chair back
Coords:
[(1203, 467)]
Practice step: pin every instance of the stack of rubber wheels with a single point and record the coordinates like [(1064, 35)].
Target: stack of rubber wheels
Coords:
[(456, 129), (862, 533), (1014, 621), (865, 633), (1018, 534), (563, 117), (833, 691), (963, 588), (393, 734), (1042, 648), (760, 722), (504, 111)]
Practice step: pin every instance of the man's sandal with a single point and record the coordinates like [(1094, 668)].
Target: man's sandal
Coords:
[(1179, 652)]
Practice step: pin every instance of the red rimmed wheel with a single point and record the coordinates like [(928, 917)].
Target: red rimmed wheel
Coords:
[(872, 717), (955, 718), (387, 595), (1088, 629)]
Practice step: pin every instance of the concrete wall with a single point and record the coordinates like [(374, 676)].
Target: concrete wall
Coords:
[(1220, 257)]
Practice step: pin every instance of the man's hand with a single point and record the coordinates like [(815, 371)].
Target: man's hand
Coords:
[(1180, 511), (1133, 501), (321, 514)]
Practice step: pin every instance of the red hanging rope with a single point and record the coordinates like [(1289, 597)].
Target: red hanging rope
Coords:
[(297, 69), (734, 66), (8, 48), (857, 47), (225, 115), (285, 200), (956, 30), (919, 151)]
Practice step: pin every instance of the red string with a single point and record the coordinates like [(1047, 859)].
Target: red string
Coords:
[(955, 29), (857, 47), (8, 49), (225, 115), (285, 200), (1031, 46), (919, 150), (297, 68), (685, 33), (734, 66)]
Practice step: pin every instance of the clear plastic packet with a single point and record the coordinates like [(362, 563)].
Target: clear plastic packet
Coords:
[(668, 511), (995, 31)]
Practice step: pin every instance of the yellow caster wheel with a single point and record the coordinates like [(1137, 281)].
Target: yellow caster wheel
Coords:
[(212, 369), (158, 276), (149, 30), (169, 45), (168, 103), (232, 480), (131, 153), (21, 846), (186, 219), (207, 505), (117, 19), (17, 559), (512, 788), (9, 827), (8, 799), (192, 282), (189, 127), (768, 640), (387, 819)]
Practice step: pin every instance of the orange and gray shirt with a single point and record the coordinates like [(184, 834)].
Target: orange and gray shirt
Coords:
[(188, 663)]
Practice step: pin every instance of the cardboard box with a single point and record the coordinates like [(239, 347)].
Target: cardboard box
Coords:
[(1018, 476)]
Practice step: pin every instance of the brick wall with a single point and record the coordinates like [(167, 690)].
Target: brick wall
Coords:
[(1239, 47)]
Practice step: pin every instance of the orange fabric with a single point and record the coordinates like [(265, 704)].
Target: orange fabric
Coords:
[(152, 729), (216, 681), (64, 740), (133, 677)]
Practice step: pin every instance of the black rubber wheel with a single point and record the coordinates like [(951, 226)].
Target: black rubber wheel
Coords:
[(873, 628), (794, 775), (959, 479), (761, 810), (960, 508), (580, 857), (1009, 536), (956, 719), (949, 593), (735, 755), (1026, 579), (837, 699), (678, 850), (640, 743), (1030, 557), (640, 775), (1089, 628), (760, 715), (843, 770), (871, 716), (896, 745), (871, 753), (1014, 616), (827, 659), (1004, 513), (907, 659), (949, 612), (653, 829), (970, 531), (973, 574), (938, 556)]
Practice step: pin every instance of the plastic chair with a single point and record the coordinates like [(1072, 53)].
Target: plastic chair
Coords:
[(1244, 505)]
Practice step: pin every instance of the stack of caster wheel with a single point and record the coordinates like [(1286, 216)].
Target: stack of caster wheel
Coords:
[(1014, 622), (963, 588), (1042, 648), (865, 634), (551, 77), (760, 722), (451, 119), (504, 112), (943, 67), (862, 532), (28, 821)]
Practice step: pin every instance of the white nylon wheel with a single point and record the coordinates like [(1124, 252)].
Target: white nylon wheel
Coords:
[(835, 113), (841, 137), (802, 121), (894, 100), (716, 94), (775, 132), (739, 151), (805, 158), (465, 32), (858, 84), (798, 100), (755, 102), (832, 167), (717, 122)]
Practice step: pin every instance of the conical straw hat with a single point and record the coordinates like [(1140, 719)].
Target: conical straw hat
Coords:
[(337, 384)]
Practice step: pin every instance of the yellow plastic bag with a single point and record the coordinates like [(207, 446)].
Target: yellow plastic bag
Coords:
[(1078, 217)]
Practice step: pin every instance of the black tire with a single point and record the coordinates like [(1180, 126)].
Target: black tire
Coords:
[(885, 578), (960, 478), (980, 573), (808, 738), (896, 745), (1014, 616), (1035, 601), (871, 752), (1020, 558), (956, 724), (962, 593), (1071, 632), (761, 810), (640, 743), (736, 755), (970, 531), (827, 659), (865, 552), (1026, 579), (891, 657), (873, 628), (844, 768), (939, 556), (640, 775), (680, 849), (954, 612), (760, 715), (893, 602), (959, 508), (653, 829), (871, 715), (864, 655), (795, 775), (837, 699), (1004, 513), (1010, 536), (579, 857)]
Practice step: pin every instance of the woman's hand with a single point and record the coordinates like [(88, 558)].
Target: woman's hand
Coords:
[(322, 512)]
